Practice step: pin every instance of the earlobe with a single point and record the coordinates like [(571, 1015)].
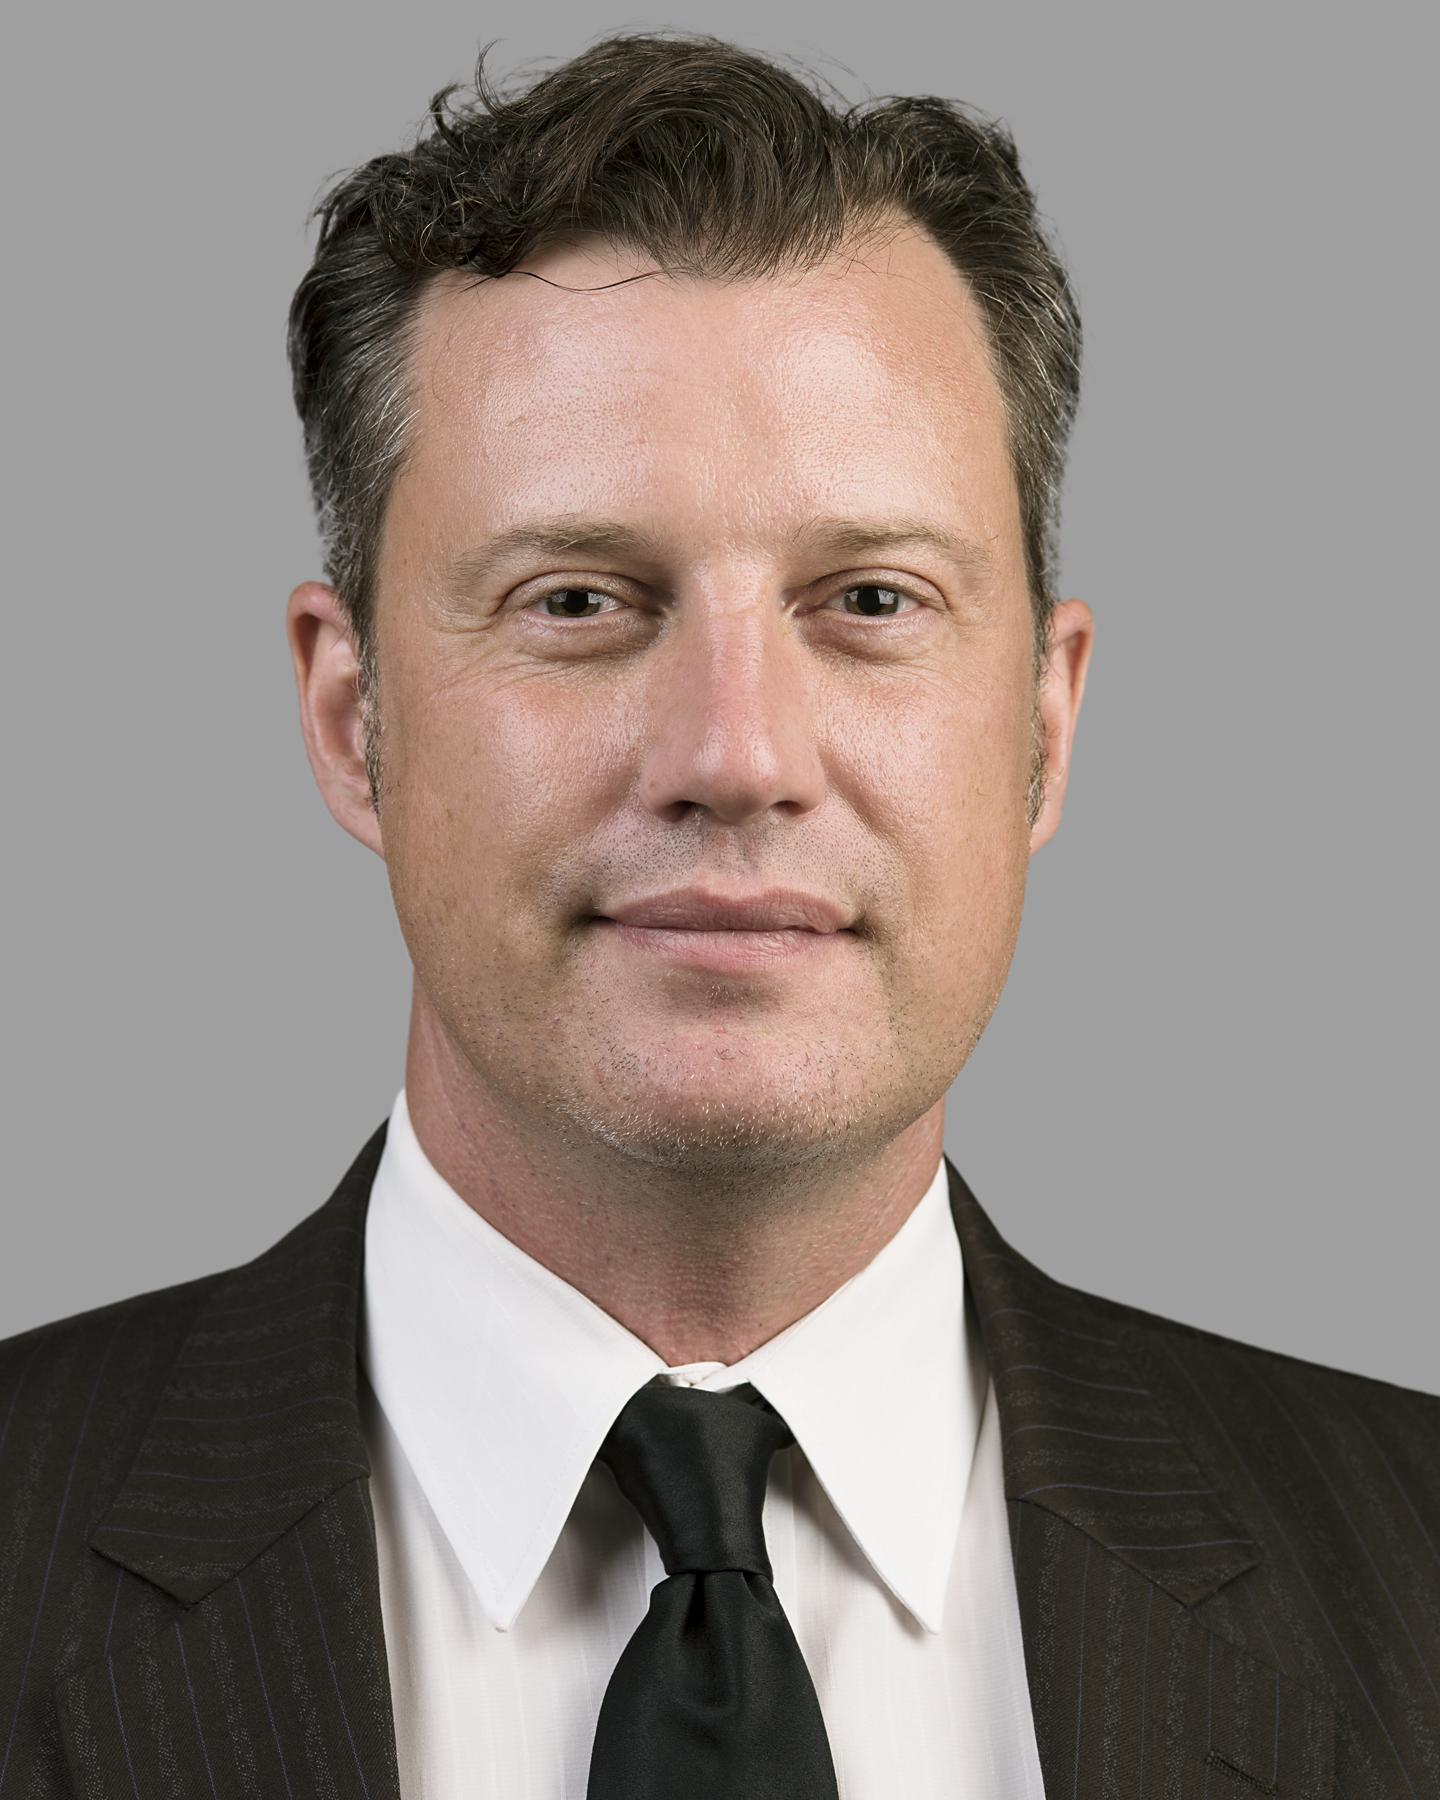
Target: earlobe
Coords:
[(328, 680)]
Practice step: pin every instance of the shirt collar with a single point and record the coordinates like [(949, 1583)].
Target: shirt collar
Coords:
[(501, 1380)]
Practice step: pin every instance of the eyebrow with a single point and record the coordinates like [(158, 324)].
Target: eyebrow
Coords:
[(569, 533)]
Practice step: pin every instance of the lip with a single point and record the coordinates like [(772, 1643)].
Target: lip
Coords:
[(710, 913), (727, 949)]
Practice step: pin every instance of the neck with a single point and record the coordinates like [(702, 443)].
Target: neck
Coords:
[(702, 1265)]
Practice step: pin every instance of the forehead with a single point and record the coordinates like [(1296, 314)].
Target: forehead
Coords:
[(589, 380)]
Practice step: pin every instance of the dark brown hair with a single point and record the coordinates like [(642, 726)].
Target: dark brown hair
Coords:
[(706, 158)]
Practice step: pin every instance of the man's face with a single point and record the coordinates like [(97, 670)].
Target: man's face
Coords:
[(738, 700)]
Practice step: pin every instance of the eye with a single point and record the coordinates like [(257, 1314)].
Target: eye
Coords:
[(876, 600), (569, 602)]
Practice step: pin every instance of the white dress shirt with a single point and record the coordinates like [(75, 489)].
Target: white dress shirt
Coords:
[(513, 1571)]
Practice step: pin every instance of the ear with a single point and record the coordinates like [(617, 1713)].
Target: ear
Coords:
[(1072, 636), (327, 673)]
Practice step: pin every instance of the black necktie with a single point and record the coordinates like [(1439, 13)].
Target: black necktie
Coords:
[(711, 1698)]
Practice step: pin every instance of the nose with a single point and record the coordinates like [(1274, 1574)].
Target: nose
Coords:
[(733, 719)]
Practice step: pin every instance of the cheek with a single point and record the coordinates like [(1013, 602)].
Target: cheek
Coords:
[(945, 785), (942, 762), (489, 786)]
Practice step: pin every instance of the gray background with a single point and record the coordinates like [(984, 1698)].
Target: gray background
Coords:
[(1209, 1088)]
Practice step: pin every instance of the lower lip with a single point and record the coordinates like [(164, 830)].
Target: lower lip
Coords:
[(727, 949)]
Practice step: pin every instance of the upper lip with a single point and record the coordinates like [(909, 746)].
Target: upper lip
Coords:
[(702, 909)]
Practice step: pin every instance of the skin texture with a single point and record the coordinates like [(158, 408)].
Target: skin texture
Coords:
[(707, 1155)]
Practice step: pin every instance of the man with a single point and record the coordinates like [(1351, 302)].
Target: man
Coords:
[(652, 1408)]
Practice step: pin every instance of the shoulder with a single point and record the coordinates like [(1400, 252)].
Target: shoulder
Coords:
[(148, 1312), (138, 1337), (1335, 1479), (77, 1396), (75, 1391), (1238, 1360), (1291, 1432)]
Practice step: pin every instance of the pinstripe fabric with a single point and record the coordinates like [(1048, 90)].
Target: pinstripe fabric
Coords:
[(1226, 1559)]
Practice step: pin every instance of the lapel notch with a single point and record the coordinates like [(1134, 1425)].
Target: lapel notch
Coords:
[(259, 1419), (1083, 1436), (248, 1505), (1119, 1536)]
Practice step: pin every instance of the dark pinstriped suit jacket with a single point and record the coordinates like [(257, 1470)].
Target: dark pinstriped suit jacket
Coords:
[(1228, 1560)]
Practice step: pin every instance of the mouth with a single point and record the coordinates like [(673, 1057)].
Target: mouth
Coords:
[(730, 948)]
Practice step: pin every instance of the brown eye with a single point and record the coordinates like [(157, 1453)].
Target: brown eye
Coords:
[(876, 601), (569, 602)]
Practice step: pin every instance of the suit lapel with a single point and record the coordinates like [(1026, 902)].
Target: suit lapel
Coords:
[(1118, 1538), (248, 1505)]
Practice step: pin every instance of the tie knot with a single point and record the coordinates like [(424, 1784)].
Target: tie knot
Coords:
[(694, 1465)]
